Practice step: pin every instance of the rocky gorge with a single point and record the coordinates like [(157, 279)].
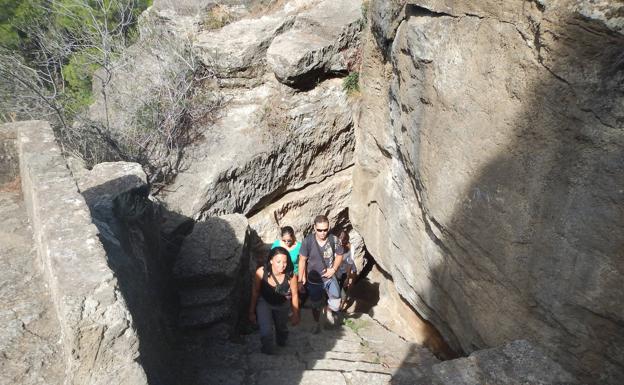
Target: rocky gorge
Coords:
[(479, 165), (488, 175)]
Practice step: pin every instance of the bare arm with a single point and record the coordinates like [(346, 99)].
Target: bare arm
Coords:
[(255, 291), (294, 290), (302, 268), (351, 275)]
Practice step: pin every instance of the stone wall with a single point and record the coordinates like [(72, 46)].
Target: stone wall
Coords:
[(489, 172), (100, 342)]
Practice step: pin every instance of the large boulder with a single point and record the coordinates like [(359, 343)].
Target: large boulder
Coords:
[(212, 273), (268, 142), (129, 229), (241, 46), (517, 362), (107, 180), (488, 173), (322, 41)]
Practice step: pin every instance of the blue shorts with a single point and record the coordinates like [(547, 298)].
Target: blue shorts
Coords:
[(317, 293)]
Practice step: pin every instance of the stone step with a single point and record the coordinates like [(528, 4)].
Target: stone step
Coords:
[(315, 377), (395, 352), (215, 376), (339, 355), (258, 362), (366, 357), (300, 377), (347, 366)]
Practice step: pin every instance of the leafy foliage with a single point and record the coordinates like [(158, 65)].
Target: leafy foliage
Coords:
[(52, 53), (15, 18), (351, 83), (64, 42)]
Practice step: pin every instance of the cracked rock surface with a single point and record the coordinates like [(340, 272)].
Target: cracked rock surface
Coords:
[(488, 172), (30, 349), (361, 351), (283, 121)]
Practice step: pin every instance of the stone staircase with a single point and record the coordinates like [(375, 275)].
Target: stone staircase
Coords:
[(359, 352)]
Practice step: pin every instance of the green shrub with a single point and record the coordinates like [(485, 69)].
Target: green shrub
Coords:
[(354, 324), (351, 83), (15, 18), (78, 75)]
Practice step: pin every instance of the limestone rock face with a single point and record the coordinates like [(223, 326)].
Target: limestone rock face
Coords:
[(267, 139), (211, 272), (489, 170), (322, 40), (514, 363), (268, 142), (298, 209), (240, 46)]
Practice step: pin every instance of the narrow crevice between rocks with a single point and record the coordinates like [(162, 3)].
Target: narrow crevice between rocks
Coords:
[(413, 10), (435, 341)]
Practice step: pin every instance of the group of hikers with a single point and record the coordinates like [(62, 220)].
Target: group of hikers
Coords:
[(320, 269)]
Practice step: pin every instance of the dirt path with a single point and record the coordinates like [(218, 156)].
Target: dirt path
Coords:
[(30, 352)]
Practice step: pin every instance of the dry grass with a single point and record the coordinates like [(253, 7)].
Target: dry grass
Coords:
[(218, 17), (265, 7)]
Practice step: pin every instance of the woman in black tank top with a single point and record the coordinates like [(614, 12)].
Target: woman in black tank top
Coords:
[(274, 290)]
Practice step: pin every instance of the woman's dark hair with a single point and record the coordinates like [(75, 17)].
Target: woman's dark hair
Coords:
[(344, 236), (289, 230), (290, 268)]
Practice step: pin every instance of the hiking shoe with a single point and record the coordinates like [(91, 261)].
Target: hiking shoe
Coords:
[(267, 350), (281, 341)]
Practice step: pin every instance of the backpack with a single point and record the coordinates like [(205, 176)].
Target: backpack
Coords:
[(332, 243)]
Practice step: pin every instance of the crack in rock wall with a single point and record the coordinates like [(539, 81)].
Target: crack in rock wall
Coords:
[(489, 170)]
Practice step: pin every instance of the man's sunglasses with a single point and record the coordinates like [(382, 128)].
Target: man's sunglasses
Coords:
[(322, 230)]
